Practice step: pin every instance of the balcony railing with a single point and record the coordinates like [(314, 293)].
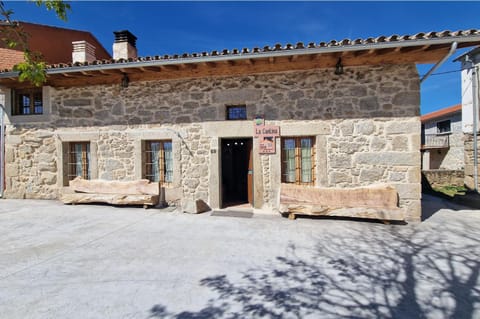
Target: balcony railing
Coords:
[(435, 141)]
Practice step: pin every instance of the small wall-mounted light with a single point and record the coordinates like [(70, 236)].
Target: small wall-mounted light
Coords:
[(339, 67), (125, 81)]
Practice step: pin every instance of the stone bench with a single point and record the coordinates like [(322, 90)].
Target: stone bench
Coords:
[(140, 192), (373, 202)]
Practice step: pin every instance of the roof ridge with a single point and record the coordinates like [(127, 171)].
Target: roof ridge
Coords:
[(361, 44), (441, 113), (51, 26)]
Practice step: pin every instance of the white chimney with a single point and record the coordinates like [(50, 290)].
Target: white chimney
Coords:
[(124, 46), (83, 52)]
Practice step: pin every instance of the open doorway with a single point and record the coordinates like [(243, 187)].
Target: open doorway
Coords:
[(237, 172)]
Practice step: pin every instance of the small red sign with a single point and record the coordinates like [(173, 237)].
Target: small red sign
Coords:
[(267, 145)]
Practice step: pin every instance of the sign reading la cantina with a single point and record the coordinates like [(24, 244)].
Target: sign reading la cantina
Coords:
[(266, 135), (267, 131)]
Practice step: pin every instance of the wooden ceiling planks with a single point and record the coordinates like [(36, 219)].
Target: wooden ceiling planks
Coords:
[(249, 65)]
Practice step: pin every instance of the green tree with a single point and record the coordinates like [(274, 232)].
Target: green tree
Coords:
[(32, 69)]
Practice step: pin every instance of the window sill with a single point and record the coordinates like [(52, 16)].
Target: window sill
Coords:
[(30, 118)]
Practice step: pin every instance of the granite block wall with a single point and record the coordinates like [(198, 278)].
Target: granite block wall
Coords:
[(366, 124)]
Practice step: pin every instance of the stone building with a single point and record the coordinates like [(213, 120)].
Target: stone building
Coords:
[(442, 139), (347, 113)]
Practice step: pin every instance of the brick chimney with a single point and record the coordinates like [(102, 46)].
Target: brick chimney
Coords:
[(124, 46), (83, 52)]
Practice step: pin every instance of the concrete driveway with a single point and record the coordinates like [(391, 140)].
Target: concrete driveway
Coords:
[(104, 262)]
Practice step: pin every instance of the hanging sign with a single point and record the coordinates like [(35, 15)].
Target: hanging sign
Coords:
[(267, 145), (266, 135)]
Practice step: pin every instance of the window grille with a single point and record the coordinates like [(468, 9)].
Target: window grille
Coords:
[(158, 161), (237, 112), (79, 160)]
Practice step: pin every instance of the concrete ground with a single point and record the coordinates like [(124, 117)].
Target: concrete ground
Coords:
[(105, 262)]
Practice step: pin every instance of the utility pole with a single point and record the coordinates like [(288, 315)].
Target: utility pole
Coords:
[(2, 149), (475, 124)]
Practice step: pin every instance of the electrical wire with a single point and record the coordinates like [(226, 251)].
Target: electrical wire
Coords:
[(452, 71)]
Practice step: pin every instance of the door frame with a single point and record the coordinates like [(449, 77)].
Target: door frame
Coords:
[(250, 168)]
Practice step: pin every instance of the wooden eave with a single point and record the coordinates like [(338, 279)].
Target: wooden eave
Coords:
[(234, 65)]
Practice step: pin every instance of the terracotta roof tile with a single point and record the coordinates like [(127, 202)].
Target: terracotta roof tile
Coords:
[(441, 113), (361, 43)]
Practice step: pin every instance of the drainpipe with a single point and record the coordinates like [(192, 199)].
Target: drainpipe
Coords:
[(475, 124), (453, 48)]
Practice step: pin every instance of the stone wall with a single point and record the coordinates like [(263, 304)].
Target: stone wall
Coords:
[(440, 177), (451, 158), (30, 163), (365, 122), (469, 161)]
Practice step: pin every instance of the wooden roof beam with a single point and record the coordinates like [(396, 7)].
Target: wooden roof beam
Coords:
[(185, 66), (149, 69), (387, 51), (363, 52), (87, 73), (209, 64), (249, 61), (436, 47), (229, 62), (70, 75), (109, 72), (413, 49), (169, 67)]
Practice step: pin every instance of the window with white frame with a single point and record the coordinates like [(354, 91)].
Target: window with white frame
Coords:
[(444, 126)]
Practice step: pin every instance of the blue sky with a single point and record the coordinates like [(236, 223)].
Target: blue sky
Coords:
[(178, 27)]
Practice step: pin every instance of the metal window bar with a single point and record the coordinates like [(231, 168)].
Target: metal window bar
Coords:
[(158, 161), (238, 112), (79, 160), (288, 160)]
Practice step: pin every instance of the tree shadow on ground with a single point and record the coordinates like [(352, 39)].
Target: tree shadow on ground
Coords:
[(368, 272), (437, 200)]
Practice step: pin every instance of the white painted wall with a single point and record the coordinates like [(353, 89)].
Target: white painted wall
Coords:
[(467, 94), (455, 123), (451, 158)]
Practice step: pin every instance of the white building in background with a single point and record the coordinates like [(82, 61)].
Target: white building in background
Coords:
[(442, 139), (470, 115)]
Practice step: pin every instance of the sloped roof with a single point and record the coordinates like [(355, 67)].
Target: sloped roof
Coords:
[(55, 44), (343, 45), (419, 48), (441, 113)]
